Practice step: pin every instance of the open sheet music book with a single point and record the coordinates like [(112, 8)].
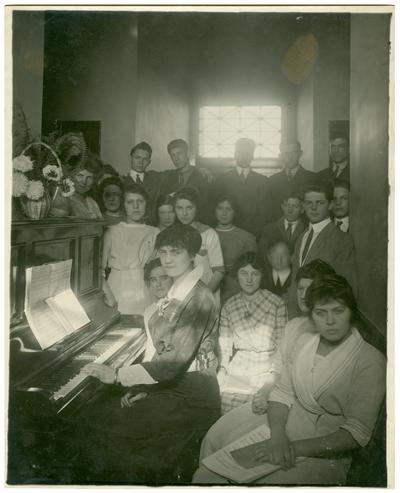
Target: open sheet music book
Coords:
[(235, 461), (51, 307)]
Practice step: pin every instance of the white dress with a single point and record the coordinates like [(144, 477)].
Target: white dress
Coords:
[(131, 246)]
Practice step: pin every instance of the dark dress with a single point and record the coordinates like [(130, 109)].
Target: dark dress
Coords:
[(144, 443)]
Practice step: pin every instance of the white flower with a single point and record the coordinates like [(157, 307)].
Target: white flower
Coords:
[(52, 172), (22, 163), (35, 190), (20, 184), (68, 188)]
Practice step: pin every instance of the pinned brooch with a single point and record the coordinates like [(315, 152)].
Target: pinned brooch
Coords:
[(162, 305)]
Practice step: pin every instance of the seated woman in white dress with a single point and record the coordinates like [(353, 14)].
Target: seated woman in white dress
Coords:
[(251, 326), (210, 256), (325, 406), (127, 246)]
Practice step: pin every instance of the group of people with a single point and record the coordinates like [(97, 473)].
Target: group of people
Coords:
[(247, 318)]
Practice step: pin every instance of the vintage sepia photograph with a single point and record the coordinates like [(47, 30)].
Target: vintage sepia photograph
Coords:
[(200, 230)]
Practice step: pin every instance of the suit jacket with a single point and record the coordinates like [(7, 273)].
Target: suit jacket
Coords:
[(276, 231), (279, 186), (152, 184), (170, 184), (332, 246), (251, 197), (268, 283), (328, 175)]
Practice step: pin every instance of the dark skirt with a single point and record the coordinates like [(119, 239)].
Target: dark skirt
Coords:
[(149, 442)]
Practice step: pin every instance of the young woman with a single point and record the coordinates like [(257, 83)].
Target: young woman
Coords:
[(325, 405), (210, 255), (234, 242), (80, 203), (251, 326), (111, 192), (127, 247), (173, 394), (165, 212)]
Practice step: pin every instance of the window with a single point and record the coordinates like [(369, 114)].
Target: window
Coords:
[(221, 126)]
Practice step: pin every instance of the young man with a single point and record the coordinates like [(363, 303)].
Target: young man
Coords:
[(341, 205), (288, 228), (339, 166), (322, 239), (248, 187), (292, 178), (277, 273), (149, 180)]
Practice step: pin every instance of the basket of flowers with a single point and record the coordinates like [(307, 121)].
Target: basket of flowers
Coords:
[(38, 180)]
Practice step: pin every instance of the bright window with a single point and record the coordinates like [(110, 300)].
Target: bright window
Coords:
[(221, 126)]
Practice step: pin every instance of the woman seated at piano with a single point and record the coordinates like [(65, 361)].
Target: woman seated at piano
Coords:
[(173, 395), (127, 246), (324, 407)]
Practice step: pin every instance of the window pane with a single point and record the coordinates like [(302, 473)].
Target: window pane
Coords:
[(221, 126)]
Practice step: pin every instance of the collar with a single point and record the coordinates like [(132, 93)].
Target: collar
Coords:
[(240, 171), (343, 220), (293, 223), (187, 171), (293, 170), (180, 290), (340, 166), (281, 274), (257, 298), (318, 227), (134, 173)]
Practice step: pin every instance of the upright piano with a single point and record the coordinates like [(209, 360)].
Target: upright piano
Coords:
[(46, 387)]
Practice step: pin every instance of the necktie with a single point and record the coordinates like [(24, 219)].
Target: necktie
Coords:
[(278, 284), (336, 171), (307, 246), (339, 224), (290, 174), (138, 180), (289, 231), (243, 176)]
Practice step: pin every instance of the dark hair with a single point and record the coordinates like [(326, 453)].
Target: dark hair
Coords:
[(177, 143), (226, 198), (165, 200), (107, 169), (180, 236), (277, 242), (338, 183), (331, 287), (292, 194), (112, 180), (340, 136), (248, 258), (290, 142), (144, 146), (246, 142), (136, 189), (152, 264), (315, 268), (93, 164), (319, 187), (187, 194)]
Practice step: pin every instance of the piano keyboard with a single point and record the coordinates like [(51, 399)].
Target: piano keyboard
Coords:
[(102, 350)]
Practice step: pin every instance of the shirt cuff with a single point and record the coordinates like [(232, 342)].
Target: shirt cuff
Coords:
[(358, 431), (134, 375), (278, 395)]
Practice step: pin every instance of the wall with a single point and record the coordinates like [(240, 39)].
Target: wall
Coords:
[(28, 46), (325, 94), (369, 159), (91, 74)]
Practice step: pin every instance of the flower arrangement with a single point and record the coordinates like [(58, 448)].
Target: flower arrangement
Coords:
[(36, 180)]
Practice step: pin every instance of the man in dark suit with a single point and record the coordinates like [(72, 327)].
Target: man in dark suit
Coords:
[(185, 176), (292, 178), (248, 187), (277, 272), (149, 180), (322, 239), (339, 167), (288, 228), (340, 209)]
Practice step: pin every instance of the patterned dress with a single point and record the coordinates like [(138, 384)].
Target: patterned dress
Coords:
[(249, 336)]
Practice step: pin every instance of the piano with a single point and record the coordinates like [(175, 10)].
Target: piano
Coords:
[(46, 387)]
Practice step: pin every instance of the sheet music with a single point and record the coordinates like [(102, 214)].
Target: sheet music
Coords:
[(51, 308)]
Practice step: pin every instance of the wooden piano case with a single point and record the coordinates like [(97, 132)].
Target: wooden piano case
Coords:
[(36, 419)]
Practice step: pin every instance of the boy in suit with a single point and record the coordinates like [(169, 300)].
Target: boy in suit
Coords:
[(292, 178), (288, 228), (340, 209), (322, 239), (339, 166), (277, 273)]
